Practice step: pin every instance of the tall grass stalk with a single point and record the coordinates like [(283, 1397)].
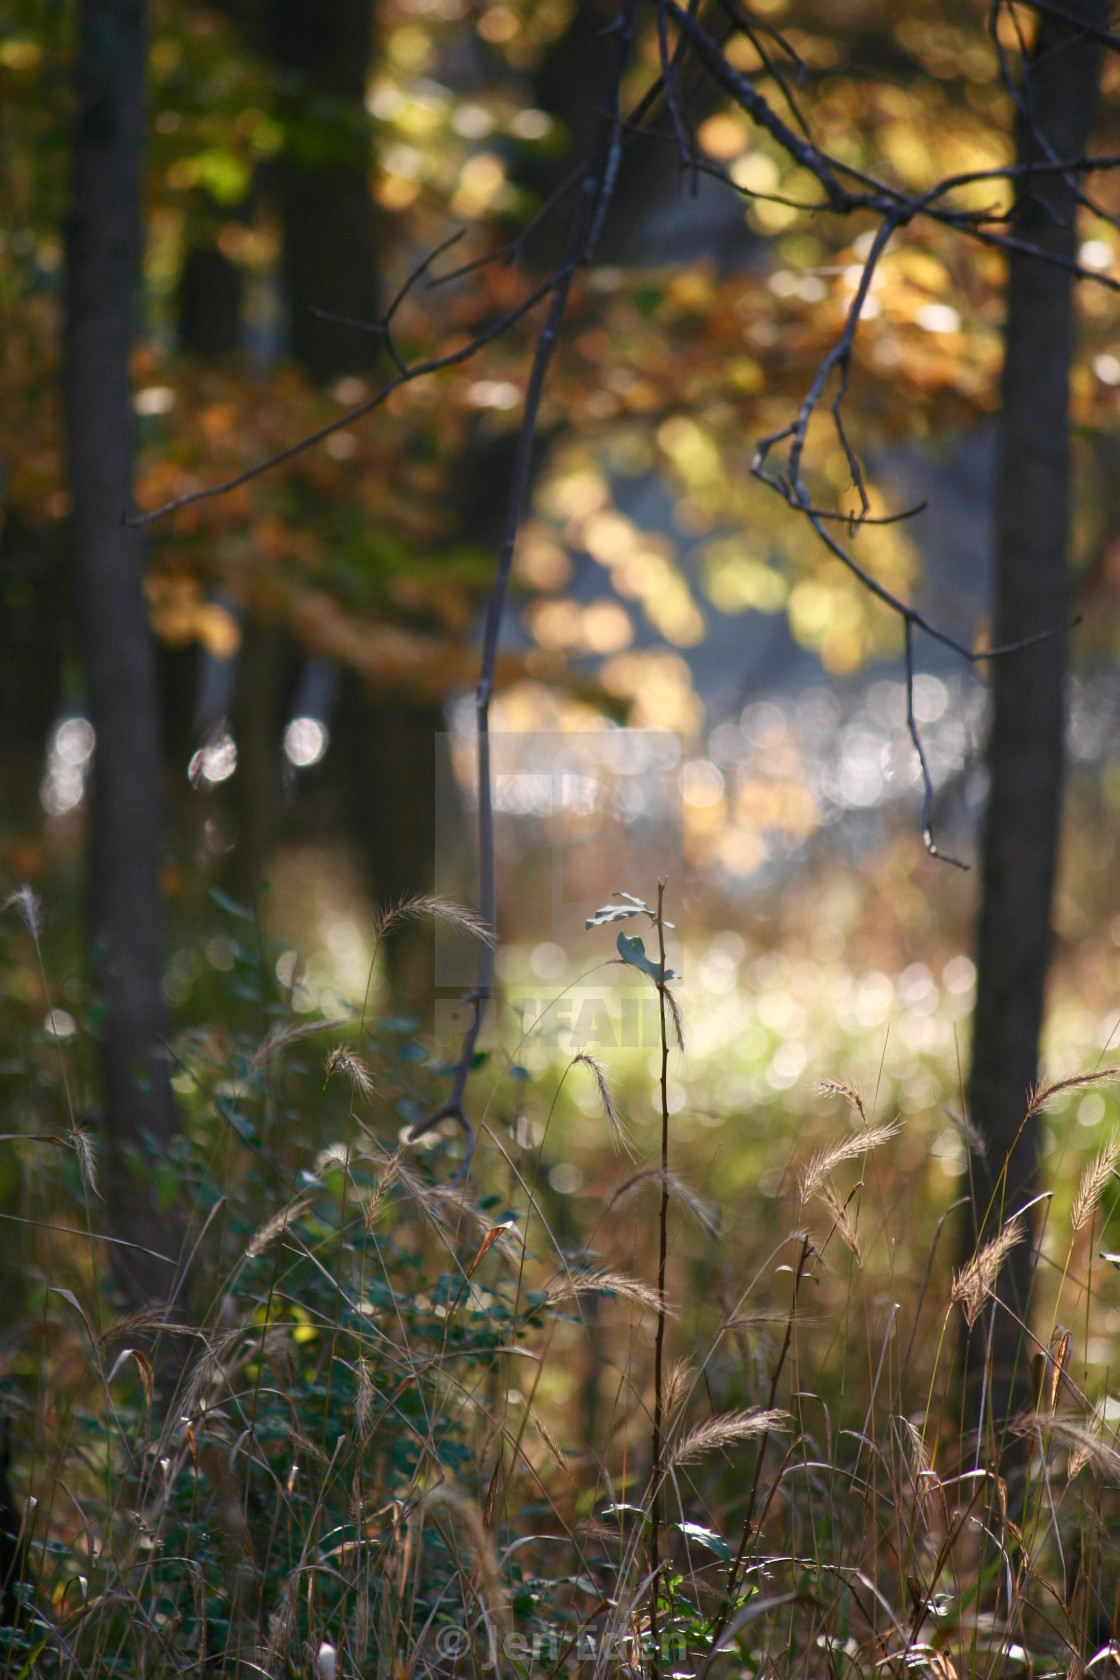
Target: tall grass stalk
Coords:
[(662, 1313)]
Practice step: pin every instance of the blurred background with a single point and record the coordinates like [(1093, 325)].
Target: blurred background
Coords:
[(318, 629)]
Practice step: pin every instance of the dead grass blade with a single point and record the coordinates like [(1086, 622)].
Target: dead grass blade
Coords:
[(974, 1140), (941, 1666), (1087, 1446), (279, 1037), (488, 1574), (974, 1282), (763, 1318), (210, 1369), (549, 1441), (145, 1321), (363, 1400), (723, 1431), (846, 1149), (1093, 1181), (427, 904)]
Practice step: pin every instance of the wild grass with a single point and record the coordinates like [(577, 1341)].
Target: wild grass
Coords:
[(397, 1426)]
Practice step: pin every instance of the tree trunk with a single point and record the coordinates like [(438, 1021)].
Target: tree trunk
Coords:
[(34, 631), (103, 252), (210, 292), (264, 671), (330, 224), (389, 747), (330, 261), (1025, 749)]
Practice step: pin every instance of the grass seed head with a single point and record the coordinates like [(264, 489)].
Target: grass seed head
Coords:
[(723, 1431), (706, 1215), (582, 1058), (440, 909), (850, 1092), (1093, 1181), (842, 1222), (1041, 1095), (974, 1282), (845, 1149), (608, 1283), (84, 1150), (27, 907), (677, 1385), (363, 1399), (279, 1037), (344, 1061)]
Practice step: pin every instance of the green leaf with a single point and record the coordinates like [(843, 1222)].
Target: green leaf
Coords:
[(615, 913), (619, 912), (633, 951), (706, 1537)]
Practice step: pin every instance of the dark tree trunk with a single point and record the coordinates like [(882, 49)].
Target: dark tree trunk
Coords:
[(34, 632), (389, 749), (210, 292), (330, 262), (264, 672), (103, 252), (330, 223), (1025, 750)]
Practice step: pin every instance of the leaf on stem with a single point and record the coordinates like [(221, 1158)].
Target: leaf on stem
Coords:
[(633, 951), (619, 912)]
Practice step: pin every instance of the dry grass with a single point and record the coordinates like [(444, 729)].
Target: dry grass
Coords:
[(610, 1112), (974, 1283), (569, 1286), (842, 1222), (406, 1407), (395, 916), (1093, 1182), (1043, 1095), (852, 1148), (724, 1431)]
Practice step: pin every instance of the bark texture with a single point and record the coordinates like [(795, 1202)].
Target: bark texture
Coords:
[(102, 272), (1025, 749)]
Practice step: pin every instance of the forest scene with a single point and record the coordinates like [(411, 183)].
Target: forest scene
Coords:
[(559, 839)]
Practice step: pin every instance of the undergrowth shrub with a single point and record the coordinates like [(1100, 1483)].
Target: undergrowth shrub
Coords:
[(399, 1424)]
